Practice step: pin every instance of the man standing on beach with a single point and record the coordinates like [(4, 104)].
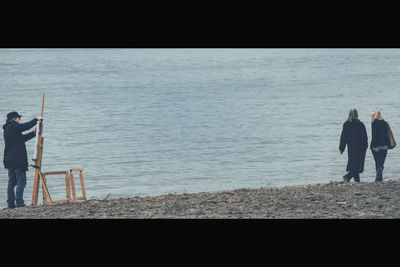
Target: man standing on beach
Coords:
[(15, 156)]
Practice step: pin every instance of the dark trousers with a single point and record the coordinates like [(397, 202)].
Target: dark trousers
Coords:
[(379, 158), (16, 178), (352, 174)]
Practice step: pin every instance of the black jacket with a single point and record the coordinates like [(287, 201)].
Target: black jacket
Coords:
[(380, 136), (15, 155), (354, 135)]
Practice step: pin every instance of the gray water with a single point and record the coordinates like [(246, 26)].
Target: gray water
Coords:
[(155, 121)]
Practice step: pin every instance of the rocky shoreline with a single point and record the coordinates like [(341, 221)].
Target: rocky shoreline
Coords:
[(335, 200)]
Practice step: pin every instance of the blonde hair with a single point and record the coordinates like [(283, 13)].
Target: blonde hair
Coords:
[(377, 115)]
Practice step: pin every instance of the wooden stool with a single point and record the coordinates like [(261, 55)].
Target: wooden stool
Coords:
[(71, 178), (45, 192)]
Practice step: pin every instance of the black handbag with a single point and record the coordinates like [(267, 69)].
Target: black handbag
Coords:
[(392, 142)]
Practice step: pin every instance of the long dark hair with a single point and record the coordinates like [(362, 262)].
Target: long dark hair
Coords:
[(10, 120), (353, 115)]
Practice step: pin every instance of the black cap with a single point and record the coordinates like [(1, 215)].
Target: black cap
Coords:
[(13, 114)]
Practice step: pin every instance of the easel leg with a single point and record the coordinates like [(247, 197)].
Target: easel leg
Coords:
[(43, 190), (38, 164), (35, 192)]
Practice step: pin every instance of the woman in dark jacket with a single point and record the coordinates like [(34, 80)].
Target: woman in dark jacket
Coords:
[(354, 135), (379, 142)]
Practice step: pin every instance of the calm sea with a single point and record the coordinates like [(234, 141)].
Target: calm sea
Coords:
[(146, 122)]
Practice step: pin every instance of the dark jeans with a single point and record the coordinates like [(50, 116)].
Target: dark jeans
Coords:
[(16, 178), (379, 157)]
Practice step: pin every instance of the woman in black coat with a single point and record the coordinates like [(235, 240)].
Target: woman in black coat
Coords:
[(354, 135), (379, 142)]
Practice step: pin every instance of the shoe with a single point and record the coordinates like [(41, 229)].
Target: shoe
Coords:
[(346, 178), (20, 204), (10, 205)]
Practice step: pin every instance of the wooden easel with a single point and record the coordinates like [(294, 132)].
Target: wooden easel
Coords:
[(41, 177), (38, 164)]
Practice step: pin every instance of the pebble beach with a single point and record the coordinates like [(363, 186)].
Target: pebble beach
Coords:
[(334, 200)]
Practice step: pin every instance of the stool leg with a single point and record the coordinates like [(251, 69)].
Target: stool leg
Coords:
[(82, 185), (73, 187), (45, 190), (67, 186)]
